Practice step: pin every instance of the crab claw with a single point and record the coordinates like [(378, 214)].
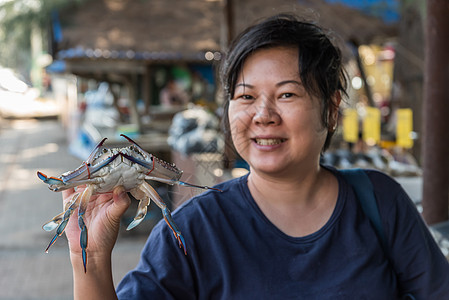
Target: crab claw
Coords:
[(138, 218), (49, 180)]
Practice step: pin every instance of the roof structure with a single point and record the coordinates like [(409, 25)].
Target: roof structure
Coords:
[(343, 23), (153, 30), (140, 29)]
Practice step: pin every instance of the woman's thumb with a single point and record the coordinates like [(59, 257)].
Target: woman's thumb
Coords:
[(121, 200)]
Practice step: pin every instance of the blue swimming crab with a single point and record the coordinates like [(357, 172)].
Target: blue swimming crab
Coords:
[(105, 169)]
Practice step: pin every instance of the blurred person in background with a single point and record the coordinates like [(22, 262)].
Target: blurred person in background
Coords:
[(173, 95)]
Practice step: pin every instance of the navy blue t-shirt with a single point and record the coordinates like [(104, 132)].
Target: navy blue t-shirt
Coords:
[(235, 252)]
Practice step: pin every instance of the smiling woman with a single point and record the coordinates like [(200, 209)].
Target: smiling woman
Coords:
[(275, 123), (320, 73), (282, 112), (291, 228)]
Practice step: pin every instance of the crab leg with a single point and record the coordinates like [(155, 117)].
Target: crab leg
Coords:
[(85, 197), (157, 166), (53, 223), (182, 183), (57, 184), (102, 164), (153, 164), (94, 152), (84, 170), (151, 192), (62, 221), (148, 157), (144, 201)]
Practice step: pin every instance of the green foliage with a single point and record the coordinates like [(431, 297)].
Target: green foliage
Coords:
[(17, 20)]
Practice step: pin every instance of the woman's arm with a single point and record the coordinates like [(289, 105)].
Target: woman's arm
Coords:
[(102, 219), (421, 268), (97, 282)]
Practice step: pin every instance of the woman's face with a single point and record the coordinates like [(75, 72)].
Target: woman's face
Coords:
[(275, 124)]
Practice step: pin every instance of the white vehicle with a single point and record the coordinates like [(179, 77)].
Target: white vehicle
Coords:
[(18, 100)]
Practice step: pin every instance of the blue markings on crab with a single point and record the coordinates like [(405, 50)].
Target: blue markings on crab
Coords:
[(83, 239), (105, 169), (49, 180)]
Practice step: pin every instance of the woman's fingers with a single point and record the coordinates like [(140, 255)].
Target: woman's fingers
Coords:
[(121, 202)]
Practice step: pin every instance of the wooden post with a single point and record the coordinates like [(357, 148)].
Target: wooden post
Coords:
[(436, 113), (229, 20)]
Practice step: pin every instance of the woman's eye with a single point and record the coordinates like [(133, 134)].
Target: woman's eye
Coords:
[(287, 95), (246, 97)]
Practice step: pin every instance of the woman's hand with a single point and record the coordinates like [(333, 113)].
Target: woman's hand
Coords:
[(102, 219)]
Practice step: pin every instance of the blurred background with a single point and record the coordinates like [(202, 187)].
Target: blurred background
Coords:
[(75, 71)]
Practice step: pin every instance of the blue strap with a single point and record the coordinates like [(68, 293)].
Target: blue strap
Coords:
[(364, 191)]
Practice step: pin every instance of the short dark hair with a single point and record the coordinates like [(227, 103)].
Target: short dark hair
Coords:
[(320, 61)]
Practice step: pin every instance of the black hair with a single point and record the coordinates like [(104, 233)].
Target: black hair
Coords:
[(320, 62)]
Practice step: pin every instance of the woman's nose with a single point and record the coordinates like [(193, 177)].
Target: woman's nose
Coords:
[(266, 114)]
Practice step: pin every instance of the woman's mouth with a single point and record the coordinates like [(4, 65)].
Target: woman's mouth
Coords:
[(269, 142)]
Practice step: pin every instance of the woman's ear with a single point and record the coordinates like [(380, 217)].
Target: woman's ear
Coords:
[(333, 111)]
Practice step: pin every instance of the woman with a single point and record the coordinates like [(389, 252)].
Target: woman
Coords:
[(290, 229)]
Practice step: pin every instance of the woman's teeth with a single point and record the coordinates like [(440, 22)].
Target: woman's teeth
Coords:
[(268, 142)]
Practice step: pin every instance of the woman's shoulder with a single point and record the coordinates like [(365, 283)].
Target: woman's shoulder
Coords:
[(380, 181), (392, 199), (387, 191)]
